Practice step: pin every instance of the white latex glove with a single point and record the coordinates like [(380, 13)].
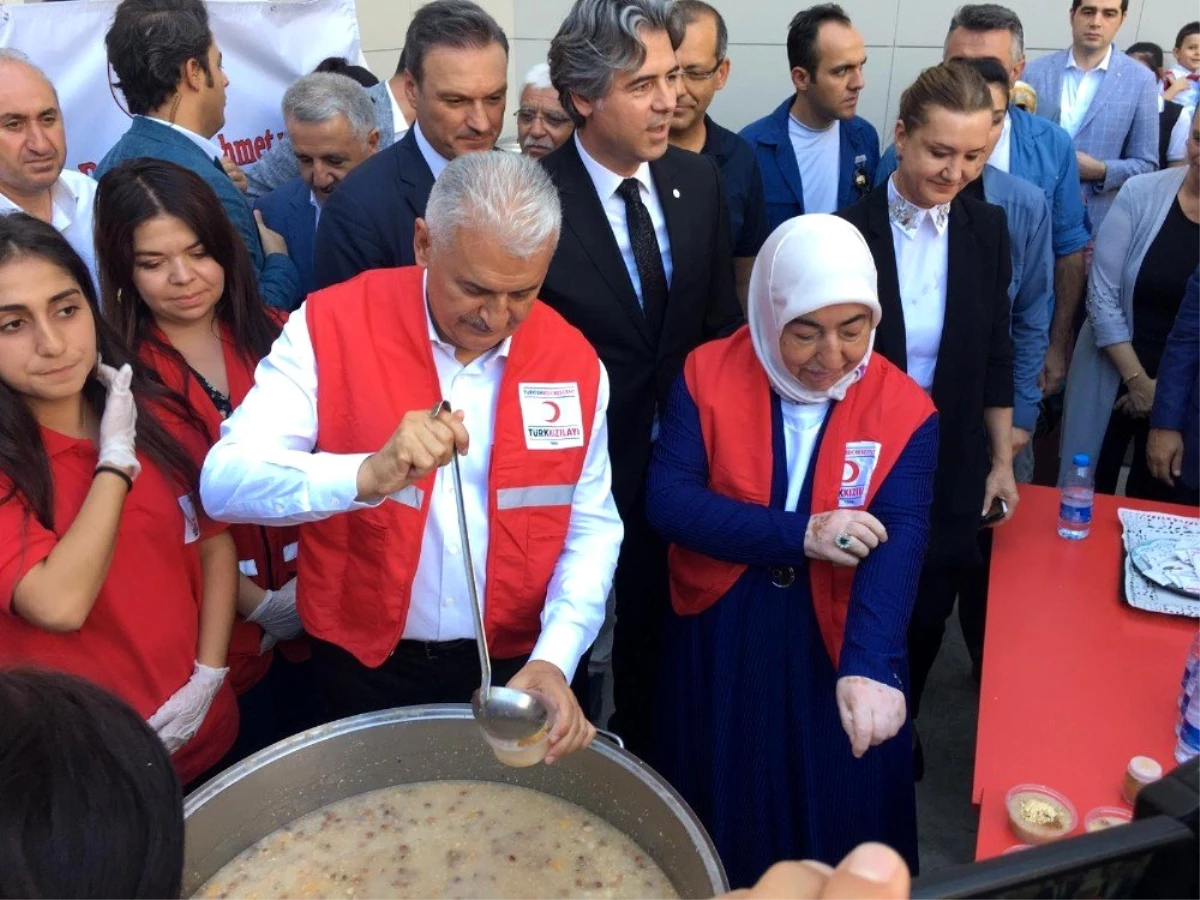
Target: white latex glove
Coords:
[(871, 712), (864, 530), (118, 425), (277, 613), (178, 720)]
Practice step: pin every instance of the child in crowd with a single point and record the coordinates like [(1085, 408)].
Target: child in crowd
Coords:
[(1181, 82)]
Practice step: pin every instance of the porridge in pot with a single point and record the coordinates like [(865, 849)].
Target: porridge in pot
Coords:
[(448, 839)]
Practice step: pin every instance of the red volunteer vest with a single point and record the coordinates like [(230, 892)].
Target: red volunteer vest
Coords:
[(370, 336), (733, 397), (267, 556)]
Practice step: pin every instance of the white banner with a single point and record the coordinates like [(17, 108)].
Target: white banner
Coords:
[(266, 46)]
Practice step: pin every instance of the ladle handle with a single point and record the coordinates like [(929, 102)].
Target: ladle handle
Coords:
[(485, 662)]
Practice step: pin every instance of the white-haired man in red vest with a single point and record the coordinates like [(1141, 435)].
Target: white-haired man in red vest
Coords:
[(338, 436)]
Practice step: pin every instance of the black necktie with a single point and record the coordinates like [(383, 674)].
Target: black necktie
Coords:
[(646, 254)]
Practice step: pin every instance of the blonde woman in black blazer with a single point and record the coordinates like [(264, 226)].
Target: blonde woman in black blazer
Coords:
[(944, 268)]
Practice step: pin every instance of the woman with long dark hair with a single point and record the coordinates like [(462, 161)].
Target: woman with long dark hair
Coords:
[(179, 288), (131, 589)]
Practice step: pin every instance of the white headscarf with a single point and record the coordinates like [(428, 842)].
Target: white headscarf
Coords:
[(808, 263)]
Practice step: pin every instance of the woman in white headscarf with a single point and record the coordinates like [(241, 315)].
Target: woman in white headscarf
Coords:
[(793, 477)]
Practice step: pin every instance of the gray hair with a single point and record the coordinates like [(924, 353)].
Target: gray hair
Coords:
[(507, 196), (12, 56), (599, 38), (320, 96), (538, 77), (460, 24), (990, 17)]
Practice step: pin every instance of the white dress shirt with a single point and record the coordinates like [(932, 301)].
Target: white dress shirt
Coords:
[(1001, 156), (436, 162), (72, 199), (1177, 143), (264, 469), (801, 426), (1078, 89), (607, 182), (922, 245), (399, 123), (818, 154), (312, 198)]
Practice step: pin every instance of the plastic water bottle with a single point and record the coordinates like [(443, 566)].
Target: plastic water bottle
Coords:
[(1075, 507), (1187, 684), (1189, 720)]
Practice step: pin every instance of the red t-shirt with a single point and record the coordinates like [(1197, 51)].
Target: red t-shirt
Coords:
[(139, 641)]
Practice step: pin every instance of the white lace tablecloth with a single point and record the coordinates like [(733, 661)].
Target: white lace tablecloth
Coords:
[(1139, 527)]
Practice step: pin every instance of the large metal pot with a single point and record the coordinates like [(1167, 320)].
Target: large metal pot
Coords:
[(432, 743)]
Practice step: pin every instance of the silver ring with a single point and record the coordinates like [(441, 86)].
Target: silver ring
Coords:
[(842, 541)]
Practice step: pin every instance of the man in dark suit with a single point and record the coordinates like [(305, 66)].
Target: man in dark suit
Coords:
[(456, 81), (331, 125), (169, 70), (644, 269), (1174, 443)]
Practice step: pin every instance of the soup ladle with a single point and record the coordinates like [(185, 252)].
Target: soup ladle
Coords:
[(506, 714)]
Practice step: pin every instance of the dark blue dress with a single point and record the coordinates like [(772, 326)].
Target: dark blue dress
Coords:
[(748, 726)]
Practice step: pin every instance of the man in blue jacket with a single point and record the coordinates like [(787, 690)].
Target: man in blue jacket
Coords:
[(1039, 151), (169, 70), (1173, 448), (331, 129), (816, 155)]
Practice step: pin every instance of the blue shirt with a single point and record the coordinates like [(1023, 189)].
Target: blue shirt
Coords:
[(743, 187), (1176, 397)]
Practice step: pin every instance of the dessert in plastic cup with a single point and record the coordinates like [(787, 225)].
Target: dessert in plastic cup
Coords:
[(1106, 817), (1142, 771), (529, 751), (1039, 815)]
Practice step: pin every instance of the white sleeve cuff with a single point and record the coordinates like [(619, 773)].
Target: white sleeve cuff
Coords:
[(560, 643)]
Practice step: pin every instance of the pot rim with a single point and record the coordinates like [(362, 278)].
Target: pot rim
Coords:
[(613, 754)]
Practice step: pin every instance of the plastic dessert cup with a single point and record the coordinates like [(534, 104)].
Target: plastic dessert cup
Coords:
[(1039, 815), (1106, 817)]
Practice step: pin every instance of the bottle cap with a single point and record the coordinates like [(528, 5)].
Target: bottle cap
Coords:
[(1144, 770), (1081, 459)]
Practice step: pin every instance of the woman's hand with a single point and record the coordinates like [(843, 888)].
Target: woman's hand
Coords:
[(860, 533), (871, 712), (118, 424), (870, 872), (235, 173), (1164, 454), (178, 720), (572, 731), (272, 241), (1003, 484), (1140, 400)]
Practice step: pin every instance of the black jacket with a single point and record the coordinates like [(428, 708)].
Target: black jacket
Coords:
[(975, 359), (589, 285), (368, 222)]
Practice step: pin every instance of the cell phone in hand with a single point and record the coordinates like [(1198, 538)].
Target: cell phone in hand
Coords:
[(996, 512)]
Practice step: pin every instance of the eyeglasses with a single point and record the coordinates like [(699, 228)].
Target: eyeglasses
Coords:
[(527, 115), (700, 77)]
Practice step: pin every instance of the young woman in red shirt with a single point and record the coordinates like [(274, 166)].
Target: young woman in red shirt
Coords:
[(179, 288), (108, 568)]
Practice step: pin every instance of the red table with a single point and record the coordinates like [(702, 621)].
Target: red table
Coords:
[(1075, 681)]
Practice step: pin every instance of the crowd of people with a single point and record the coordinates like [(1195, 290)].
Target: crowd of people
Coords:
[(738, 410)]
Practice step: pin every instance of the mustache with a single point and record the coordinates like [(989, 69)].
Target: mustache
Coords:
[(540, 143)]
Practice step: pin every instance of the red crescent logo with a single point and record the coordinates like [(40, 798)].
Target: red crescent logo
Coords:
[(555, 412), (850, 472)]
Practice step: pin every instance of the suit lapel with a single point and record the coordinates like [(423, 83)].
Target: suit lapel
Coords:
[(891, 337), (670, 196), (961, 297), (584, 216), (1109, 87), (414, 172)]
